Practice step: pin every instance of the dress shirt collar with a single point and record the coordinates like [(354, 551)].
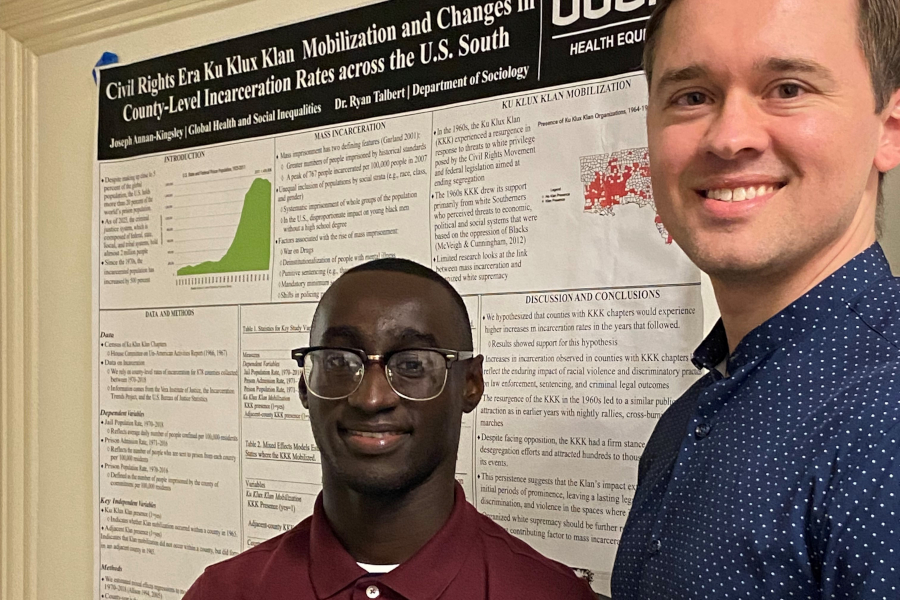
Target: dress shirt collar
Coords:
[(424, 576), (834, 293)]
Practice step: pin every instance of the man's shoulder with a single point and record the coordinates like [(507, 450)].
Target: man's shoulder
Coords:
[(231, 577), (879, 308), (514, 560), (867, 380), (294, 541)]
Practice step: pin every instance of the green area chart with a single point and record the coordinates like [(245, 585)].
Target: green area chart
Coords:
[(251, 247)]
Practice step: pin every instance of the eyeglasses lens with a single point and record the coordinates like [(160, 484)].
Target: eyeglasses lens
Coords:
[(334, 374), (418, 374)]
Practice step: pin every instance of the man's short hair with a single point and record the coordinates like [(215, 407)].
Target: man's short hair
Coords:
[(403, 265), (878, 29)]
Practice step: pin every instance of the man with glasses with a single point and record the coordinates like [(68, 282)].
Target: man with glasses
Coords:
[(387, 378)]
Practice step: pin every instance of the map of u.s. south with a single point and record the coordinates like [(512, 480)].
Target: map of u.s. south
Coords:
[(616, 178)]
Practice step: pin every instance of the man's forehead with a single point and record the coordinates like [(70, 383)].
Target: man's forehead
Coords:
[(696, 35), (380, 333), (386, 305)]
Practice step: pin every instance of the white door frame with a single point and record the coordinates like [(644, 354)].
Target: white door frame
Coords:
[(28, 29)]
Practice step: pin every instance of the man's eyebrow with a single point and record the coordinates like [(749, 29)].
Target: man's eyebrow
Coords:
[(413, 336), (771, 64), (688, 73), (342, 331), (794, 65), (406, 336)]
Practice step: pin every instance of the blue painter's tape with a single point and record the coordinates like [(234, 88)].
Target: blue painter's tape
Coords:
[(108, 58)]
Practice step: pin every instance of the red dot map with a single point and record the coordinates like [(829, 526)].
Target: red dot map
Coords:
[(617, 178)]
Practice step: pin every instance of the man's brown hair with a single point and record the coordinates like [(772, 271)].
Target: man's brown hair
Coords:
[(878, 31)]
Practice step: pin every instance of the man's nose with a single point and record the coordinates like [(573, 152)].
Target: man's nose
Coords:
[(374, 393), (739, 128)]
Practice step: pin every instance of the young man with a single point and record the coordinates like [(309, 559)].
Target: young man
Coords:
[(778, 474), (386, 381)]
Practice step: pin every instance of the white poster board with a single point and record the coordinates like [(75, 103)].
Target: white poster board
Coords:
[(236, 181)]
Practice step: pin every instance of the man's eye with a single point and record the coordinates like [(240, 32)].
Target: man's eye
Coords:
[(336, 362), (410, 367), (786, 91), (691, 99), (409, 364)]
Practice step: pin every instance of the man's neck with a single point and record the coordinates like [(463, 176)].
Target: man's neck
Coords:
[(749, 302), (388, 529)]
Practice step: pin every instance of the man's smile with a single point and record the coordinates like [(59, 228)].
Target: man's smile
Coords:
[(739, 194), (735, 197), (373, 438)]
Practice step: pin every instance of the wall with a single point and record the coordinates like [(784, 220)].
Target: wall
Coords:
[(67, 113), (67, 98), (891, 237)]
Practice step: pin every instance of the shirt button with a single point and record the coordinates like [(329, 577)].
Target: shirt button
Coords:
[(702, 430), (655, 546), (372, 591)]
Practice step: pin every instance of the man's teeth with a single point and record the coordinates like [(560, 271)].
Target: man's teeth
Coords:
[(375, 434), (740, 194)]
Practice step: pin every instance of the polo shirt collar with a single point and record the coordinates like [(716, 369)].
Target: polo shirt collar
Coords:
[(430, 571), (331, 568), (424, 576), (828, 299)]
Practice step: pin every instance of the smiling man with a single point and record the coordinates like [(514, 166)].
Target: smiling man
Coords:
[(777, 475), (386, 381)]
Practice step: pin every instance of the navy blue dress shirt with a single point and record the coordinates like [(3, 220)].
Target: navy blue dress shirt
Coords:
[(781, 480)]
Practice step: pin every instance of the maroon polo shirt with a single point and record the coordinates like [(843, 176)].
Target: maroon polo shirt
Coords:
[(469, 558)]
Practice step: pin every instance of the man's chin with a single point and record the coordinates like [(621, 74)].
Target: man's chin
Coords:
[(733, 264), (389, 475), (375, 485), (732, 271)]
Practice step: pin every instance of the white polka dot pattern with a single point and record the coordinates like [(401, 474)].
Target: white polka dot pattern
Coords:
[(782, 480)]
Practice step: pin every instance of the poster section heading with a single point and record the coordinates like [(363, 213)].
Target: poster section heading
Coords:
[(369, 62)]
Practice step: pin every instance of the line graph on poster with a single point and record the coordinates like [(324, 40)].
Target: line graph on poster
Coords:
[(218, 223)]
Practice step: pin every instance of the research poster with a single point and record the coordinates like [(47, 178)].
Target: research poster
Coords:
[(500, 143)]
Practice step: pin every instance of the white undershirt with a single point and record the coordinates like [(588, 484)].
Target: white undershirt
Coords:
[(377, 568)]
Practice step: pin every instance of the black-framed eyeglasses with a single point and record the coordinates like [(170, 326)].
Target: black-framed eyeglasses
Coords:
[(413, 373)]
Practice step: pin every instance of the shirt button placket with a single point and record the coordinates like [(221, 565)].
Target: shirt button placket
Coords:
[(702, 430)]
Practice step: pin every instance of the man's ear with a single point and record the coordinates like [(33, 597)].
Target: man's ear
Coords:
[(304, 398), (888, 155), (474, 387)]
